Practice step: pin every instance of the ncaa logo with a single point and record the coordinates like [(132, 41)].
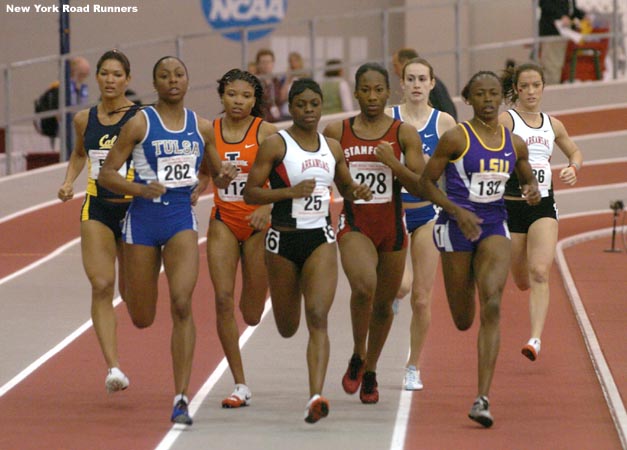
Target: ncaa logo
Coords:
[(223, 14)]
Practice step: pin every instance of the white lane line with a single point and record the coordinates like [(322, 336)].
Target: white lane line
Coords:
[(591, 188), (34, 208), (49, 354), (603, 372), (28, 173), (40, 261), (607, 384), (43, 205), (587, 109), (593, 162), (402, 418), (176, 430), (67, 340)]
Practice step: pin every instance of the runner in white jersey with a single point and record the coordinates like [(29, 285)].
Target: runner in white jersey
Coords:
[(300, 165), (534, 228), (301, 254)]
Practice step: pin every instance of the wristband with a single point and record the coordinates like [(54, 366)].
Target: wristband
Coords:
[(575, 166)]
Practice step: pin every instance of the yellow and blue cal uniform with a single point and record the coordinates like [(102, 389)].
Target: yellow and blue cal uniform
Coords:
[(101, 204)]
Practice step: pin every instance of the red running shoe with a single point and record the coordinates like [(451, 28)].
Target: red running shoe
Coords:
[(352, 378), (369, 392)]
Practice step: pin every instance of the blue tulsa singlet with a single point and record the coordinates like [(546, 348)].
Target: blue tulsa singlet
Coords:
[(170, 157)]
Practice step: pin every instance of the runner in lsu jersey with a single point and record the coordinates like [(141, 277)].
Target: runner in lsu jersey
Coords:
[(476, 182), (477, 158)]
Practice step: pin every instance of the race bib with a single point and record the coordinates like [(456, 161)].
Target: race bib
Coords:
[(486, 187), (377, 176), (542, 172), (177, 171), (233, 192), (96, 160), (315, 205)]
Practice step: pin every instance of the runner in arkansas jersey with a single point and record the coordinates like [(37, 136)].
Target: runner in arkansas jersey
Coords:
[(298, 165)]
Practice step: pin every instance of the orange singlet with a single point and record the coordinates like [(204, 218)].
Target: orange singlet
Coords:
[(229, 206)]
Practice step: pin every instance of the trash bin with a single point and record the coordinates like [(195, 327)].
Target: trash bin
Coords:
[(35, 160)]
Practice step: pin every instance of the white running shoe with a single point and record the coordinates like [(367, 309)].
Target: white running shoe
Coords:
[(116, 380), (412, 381), (532, 349), (317, 408), (480, 411), (240, 397)]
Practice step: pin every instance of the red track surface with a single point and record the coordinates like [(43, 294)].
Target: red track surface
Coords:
[(35, 416)]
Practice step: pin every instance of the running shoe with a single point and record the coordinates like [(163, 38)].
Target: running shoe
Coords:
[(240, 397), (480, 411), (316, 409), (412, 381), (116, 380), (369, 388), (532, 349), (180, 413), (352, 378)]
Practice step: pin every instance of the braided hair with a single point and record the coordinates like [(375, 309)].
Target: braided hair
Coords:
[(237, 74)]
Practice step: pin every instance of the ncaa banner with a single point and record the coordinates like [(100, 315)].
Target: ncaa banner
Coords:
[(221, 14)]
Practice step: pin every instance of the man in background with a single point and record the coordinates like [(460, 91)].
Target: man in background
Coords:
[(552, 54), (271, 85)]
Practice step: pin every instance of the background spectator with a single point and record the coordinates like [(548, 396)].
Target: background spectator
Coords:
[(271, 85), (552, 53), (335, 89), (296, 69)]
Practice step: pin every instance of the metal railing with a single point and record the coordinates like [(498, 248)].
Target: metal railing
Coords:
[(382, 52)]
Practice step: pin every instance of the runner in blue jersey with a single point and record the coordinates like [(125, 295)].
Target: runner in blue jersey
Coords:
[(417, 82), (167, 143)]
